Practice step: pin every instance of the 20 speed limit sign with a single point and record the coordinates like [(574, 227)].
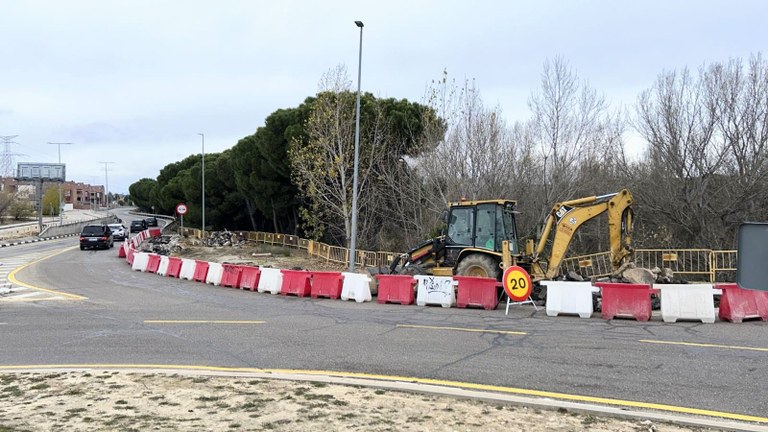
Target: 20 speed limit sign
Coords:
[(517, 283), (181, 209)]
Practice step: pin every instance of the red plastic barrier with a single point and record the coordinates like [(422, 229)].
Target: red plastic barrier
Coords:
[(174, 267), (230, 275), (153, 263), (129, 255), (738, 304), (154, 232), (395, 289), (477, 291), (201, 271), (326, 284), (623, 299), (296, 282), (249, 278)]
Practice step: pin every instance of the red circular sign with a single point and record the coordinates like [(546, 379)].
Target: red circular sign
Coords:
[(181, 209), (517, 283)]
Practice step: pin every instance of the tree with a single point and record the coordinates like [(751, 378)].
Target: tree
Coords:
[(143, 193), (322, 165), (706, 168), (6, 200), (50, 202), (21, 209)]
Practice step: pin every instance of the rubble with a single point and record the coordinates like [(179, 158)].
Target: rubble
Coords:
[(224, 238), (163, 245)]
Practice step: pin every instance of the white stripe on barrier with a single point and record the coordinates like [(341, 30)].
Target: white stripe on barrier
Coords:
[(187, 269), (565, 297), (162, 269), (271, 280), (140, 261), (438, 290), (357, 287), (687, 301), (215, 270)]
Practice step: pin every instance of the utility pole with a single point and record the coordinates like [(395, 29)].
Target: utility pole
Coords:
[(106, 177), (61, 205)]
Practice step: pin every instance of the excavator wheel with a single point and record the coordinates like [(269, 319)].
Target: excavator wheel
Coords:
[(479, 266)]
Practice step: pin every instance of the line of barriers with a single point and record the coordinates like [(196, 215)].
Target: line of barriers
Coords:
[(678, 301), (692, 264)]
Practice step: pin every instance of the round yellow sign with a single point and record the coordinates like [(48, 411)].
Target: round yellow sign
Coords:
[(517, 283)]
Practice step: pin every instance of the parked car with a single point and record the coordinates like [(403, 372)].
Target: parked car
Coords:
[(96, 236), (119, 231), (138, 225), (151, 221)]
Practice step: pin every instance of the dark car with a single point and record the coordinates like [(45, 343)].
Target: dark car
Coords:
[(119, 232), (151, 221), (96, 236), (138, 225)]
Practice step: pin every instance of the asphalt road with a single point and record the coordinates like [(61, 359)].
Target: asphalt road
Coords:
[(128, 318)]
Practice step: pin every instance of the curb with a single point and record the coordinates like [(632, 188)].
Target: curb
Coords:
[(2, 245)]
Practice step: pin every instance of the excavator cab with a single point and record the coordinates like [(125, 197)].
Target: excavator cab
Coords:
[(479, 229)]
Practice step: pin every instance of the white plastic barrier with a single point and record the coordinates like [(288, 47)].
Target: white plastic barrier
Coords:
[(565, 297), (271, 280), (162, 269), (687, 301), (140, 261), (437, 290), (187, 269), (215, 270), (356, 286)]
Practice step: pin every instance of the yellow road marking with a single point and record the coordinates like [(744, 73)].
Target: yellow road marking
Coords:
[(200, 322), (12, 278), (395, 378), (703, 345), (461, 329)]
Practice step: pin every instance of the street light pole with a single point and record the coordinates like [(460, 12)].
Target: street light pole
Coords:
[(202, 136), (353, 240), (106, 177), (61, 206)]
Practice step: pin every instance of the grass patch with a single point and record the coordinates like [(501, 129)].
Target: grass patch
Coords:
[(76, 410), (379, 392), (121, 402), (14, 391), (319, 384), (40, 386), (199, 380), (74, 392), (208, 398)]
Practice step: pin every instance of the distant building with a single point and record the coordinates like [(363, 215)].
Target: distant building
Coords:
[(74, 195)]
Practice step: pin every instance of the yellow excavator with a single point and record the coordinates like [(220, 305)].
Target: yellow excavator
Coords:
[(480, 238)]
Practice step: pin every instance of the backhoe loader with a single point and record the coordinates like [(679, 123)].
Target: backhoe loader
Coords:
[(481, 239)]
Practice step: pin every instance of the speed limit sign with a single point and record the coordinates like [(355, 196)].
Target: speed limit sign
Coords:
[(517, 283), (181, 209)]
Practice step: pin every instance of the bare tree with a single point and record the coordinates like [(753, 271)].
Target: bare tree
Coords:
[(706, 166)]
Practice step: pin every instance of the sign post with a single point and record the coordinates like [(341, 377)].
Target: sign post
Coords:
[(181, 209), (517, 284)]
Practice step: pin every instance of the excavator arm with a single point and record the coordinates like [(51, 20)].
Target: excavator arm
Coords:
[(566, 217)]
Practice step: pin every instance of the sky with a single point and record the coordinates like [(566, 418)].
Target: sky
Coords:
[(134, 83)]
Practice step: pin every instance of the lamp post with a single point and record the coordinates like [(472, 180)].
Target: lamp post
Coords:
[(353, 240), (202, 136), (61, 206), (106, 177)]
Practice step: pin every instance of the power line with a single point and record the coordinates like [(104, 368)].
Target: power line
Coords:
[(7, 160)]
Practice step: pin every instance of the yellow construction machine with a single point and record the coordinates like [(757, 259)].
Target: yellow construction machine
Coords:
[(480, 238)]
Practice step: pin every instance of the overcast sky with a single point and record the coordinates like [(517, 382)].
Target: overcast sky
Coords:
[(134, 82)]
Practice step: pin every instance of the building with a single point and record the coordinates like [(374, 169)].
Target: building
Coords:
[(74, 195)]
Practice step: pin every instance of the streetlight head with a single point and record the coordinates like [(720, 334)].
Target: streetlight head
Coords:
[(200, 134), (359, 24)]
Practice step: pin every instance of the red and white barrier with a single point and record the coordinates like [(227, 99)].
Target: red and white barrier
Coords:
[(436, 290), (215, 271), (162, 269), (140, 261), (565, 297), (357, 287), (187, 269), (270, 280)]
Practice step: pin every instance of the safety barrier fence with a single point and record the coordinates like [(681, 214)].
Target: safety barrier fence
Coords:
[(694, 301), (691, 264)]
